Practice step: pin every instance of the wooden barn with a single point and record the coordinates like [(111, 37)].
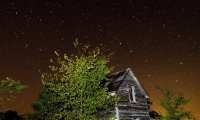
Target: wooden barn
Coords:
[(134, 103)]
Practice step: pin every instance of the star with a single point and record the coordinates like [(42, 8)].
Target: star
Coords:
[(26, 46)]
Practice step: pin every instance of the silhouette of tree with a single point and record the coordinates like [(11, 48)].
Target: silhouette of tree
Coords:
[(173, 106)]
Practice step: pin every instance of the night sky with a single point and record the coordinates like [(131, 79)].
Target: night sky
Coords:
[(158, 39)]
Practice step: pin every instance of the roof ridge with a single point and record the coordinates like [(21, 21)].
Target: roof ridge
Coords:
[(138, 83)]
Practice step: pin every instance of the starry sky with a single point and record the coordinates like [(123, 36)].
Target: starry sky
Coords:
[(158, 39)]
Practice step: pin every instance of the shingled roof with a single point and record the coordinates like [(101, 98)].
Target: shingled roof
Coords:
[(116, 79)]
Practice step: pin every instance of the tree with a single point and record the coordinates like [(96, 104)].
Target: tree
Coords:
[(10, 115), (44, 106), (173, 106), (74, 89), (8, 88)]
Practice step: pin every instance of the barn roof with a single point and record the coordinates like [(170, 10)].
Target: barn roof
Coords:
[(118, 77)]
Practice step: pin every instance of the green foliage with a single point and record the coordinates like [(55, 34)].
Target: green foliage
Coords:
[(8, 88), (173, 104), (73, 89), (45, 105)]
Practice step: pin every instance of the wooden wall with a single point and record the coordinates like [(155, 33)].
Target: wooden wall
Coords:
[(130, 110)]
